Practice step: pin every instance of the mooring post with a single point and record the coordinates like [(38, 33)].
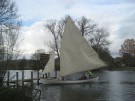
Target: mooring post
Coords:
[(46, 75), (38, 77), (31, 78), (8, 76), (17, 78), (22, 77)]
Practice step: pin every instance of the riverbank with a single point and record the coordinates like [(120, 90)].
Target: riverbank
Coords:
[(19, 68), (123, 69), (111, 69)]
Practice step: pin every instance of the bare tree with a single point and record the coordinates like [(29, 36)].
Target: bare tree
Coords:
[(9, 27), (8, 12), (56, 28), (11, 41), (86, 26), (97, 37), (8, 18), (51, 26)]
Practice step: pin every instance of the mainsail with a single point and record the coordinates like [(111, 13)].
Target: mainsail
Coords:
[(50, 67), (76, 55)]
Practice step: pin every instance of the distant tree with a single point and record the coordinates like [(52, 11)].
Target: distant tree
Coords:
[(105, 55), (97, 37), (37, 58), (86, 26), (56, 28), (128, 60), (118, 61), (36, 55), (11, 42), (23, 63), (127, 52), (128, 47)]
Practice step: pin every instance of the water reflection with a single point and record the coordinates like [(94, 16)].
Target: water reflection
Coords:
[(79, 93), (50, 93), (27, 74), (113, 86)]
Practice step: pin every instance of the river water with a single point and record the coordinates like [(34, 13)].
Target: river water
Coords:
[(112, 86)]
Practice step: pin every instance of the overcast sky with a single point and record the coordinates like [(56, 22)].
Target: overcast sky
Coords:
[(116, 16)]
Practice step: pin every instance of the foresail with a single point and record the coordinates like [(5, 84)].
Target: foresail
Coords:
[(50, 67), (76, 55)]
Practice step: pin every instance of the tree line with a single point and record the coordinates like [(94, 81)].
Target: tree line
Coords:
[(127, 53)]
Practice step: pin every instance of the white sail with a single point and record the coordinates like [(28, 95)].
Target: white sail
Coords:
[(50, 67), (76, 55)]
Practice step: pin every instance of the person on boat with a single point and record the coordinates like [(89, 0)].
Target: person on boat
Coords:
[(61, 78), (83, 77), (90, 74), (44, 75)]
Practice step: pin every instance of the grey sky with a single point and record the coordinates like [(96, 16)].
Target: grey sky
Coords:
[(117, 16)]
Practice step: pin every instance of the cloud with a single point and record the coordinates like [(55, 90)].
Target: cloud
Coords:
[(126, 28), (34, 38), (117, 16)]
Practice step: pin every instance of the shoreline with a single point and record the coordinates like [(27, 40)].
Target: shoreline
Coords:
[(109, 69)]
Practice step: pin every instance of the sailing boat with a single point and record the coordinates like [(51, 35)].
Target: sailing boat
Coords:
[(76, 56)]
